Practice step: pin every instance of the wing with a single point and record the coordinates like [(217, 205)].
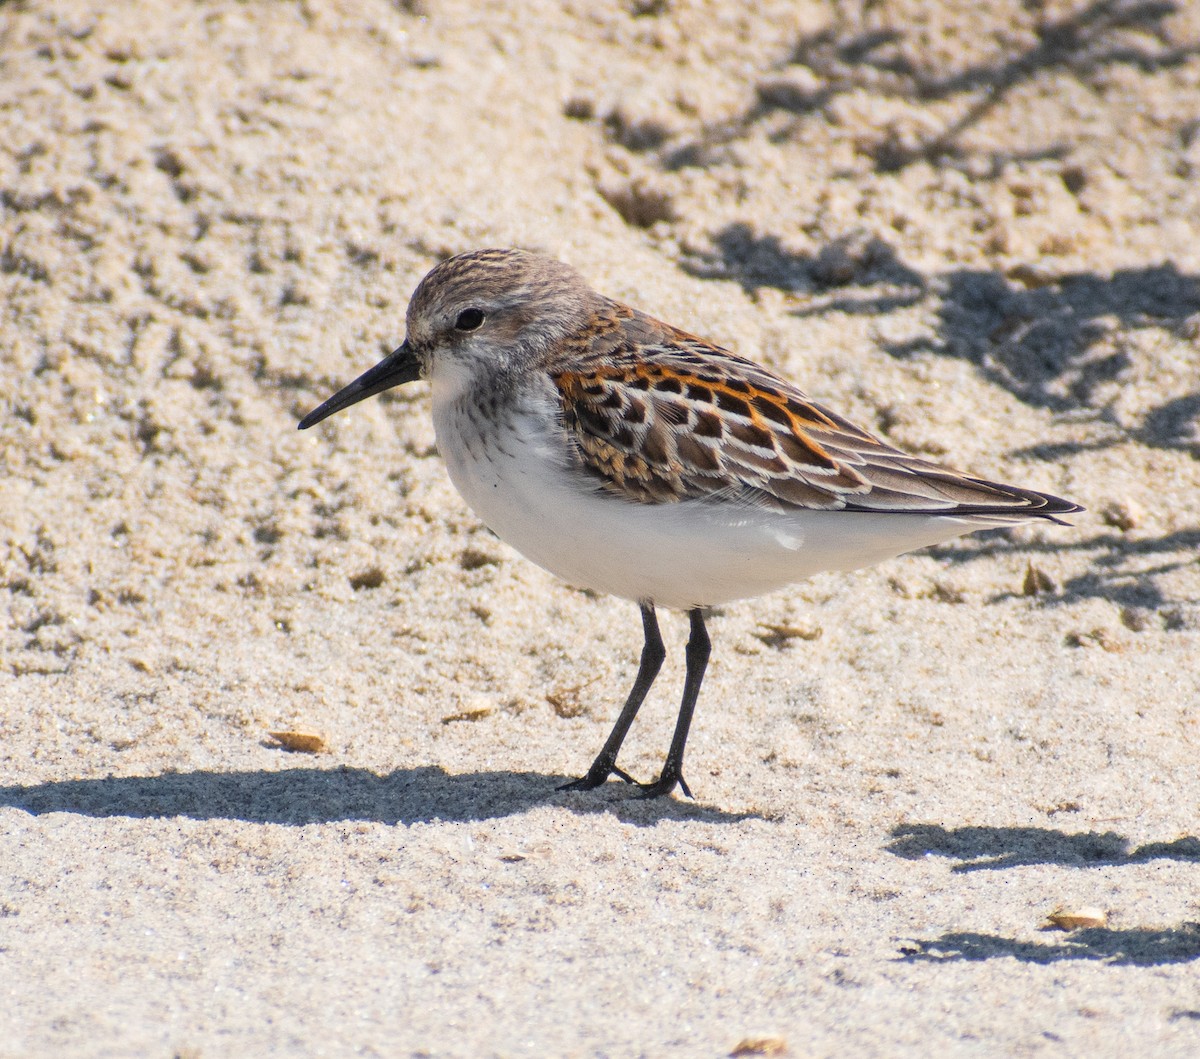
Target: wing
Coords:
[(658, 416)]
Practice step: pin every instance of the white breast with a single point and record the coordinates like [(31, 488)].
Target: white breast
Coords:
[(514, 472)]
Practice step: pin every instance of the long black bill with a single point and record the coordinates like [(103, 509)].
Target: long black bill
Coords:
[(396, 368)]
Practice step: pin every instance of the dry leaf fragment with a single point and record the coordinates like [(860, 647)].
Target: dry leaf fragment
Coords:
[(945, 593), (1102, 637), (469, 715), (369, 578), (1065, 917), (1037, 581), (1123, 514), (760, 1046), (1138, 619), (300, 742), (473, 558), (776, 635), (566, 703), (1032, 275)]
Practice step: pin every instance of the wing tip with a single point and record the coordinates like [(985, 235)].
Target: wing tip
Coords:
[(1045, 505)]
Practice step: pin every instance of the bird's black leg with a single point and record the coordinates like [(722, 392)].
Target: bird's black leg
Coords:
[(653, 654), (699, 646)]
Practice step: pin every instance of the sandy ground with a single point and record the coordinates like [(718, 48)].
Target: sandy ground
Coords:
[(972, 226)]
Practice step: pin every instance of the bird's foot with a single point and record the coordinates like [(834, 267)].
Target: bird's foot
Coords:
[(597, 775), (669, 779)]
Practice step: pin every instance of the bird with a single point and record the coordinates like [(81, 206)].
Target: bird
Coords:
[(630, 457)]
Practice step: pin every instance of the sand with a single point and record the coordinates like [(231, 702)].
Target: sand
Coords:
[(974, 227)]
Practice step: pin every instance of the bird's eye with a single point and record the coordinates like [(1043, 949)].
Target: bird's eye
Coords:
[(469, 320)]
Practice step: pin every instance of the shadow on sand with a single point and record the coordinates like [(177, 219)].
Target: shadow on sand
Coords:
[(892, 63), (1131, 948), (299, 796), (995, 848), (1055, 342)]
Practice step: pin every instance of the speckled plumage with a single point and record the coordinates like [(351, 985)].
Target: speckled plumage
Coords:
[(660, 415)]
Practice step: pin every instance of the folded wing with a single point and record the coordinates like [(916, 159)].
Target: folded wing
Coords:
[(658, 416)]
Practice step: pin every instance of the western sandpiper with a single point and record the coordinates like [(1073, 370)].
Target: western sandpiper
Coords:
[(627, 456)]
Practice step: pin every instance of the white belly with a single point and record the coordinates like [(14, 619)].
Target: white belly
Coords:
[(694, 553)]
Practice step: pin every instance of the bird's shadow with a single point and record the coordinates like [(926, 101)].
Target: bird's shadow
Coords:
[(298, 796), (997, 848)]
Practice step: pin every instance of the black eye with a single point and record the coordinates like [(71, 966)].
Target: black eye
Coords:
[(469, 320)]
